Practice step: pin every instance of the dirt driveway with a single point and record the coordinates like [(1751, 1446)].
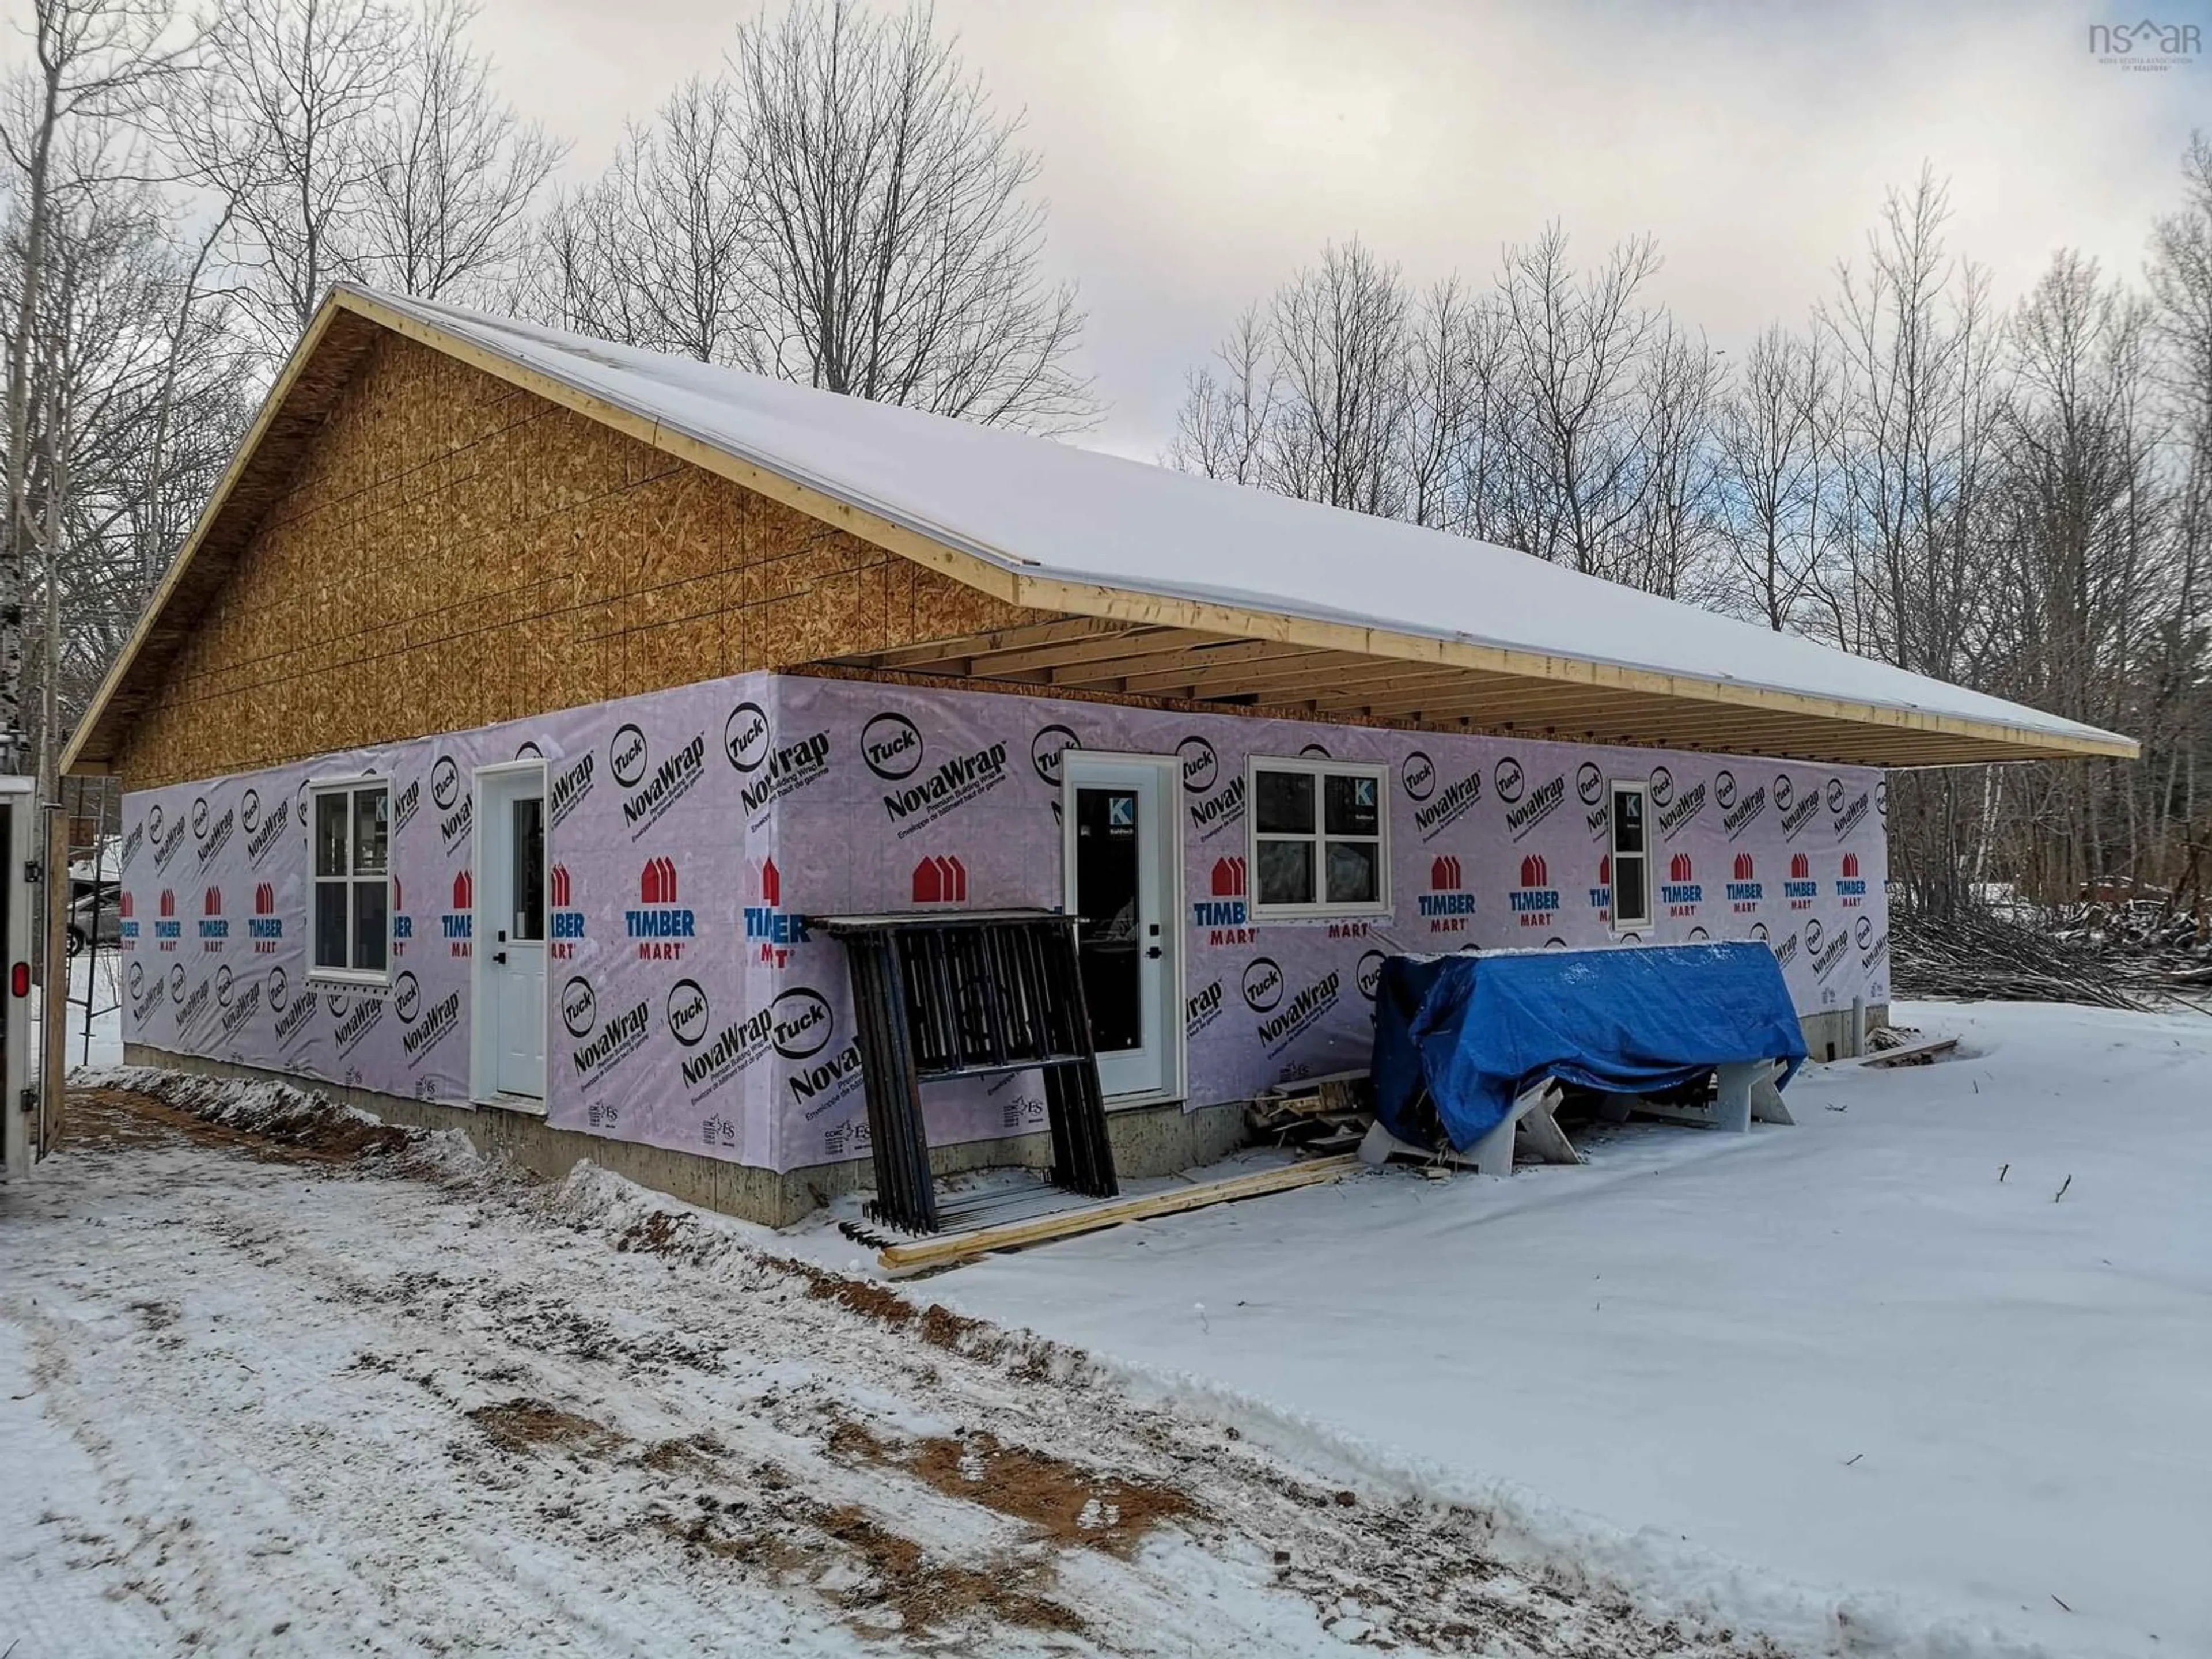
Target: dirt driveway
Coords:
[(345, 1390)]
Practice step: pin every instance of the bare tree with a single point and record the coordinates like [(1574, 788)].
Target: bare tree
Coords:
[(1773, 453), (91, 61), (1221, 430), (1340, 333), (452, 173)]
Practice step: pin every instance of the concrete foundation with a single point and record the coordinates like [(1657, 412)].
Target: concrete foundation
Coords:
[(1148, 1141)]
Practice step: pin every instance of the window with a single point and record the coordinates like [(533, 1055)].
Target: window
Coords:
[(352, 919), (1631, 856), (1318, 842)]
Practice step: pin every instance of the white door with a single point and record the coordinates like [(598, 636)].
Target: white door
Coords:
[(19, 1129), (1124, 882), (510, 927)]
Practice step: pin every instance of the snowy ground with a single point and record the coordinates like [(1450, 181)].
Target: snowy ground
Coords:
[(1845, 1355), (1837, 1383), (323, 1393)]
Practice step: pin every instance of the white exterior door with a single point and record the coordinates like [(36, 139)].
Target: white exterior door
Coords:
[(510, 928), (1123, 880)]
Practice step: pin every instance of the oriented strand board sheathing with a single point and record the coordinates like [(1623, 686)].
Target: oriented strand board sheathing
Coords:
[(447, 551)]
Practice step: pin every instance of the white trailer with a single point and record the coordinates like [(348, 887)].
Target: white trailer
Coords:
[(30, 1118)]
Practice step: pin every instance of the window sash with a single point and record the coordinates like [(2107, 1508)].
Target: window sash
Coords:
[(1626, 857), (1320, 837), (349, 931)]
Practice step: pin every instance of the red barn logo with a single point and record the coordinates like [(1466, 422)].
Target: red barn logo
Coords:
[(940, 878), (1745, 890), (124, 904), (566, 922), (1680, 892), (1225, 916), (659, 925), (459, 924), (214, 930), (1801, 890), (1448, 903), (1535, 902), (775, 931), (1850, 887), (168, 902), (264, 927)]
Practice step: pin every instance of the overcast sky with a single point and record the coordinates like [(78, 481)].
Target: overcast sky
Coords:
[(1195, 151)]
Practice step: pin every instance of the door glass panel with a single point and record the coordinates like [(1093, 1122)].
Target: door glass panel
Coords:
[(1108, 939), (530, 867)]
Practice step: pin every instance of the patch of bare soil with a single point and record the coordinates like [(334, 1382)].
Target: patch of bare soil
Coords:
[(1072, 1504), (523, 1425), (112, 1120)]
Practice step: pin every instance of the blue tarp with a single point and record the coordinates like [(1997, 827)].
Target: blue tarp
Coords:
[(1471, 1032)]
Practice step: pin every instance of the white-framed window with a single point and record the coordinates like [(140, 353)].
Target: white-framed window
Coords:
[(1320, 837), (349, 925), (1631, 856)]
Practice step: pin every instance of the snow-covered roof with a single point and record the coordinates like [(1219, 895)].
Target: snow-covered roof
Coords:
[(1081, 531)]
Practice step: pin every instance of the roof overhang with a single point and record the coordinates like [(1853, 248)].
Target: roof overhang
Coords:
[(1102, 638)]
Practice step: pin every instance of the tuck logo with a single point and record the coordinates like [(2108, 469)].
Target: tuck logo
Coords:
[(627, 754), (1045, 749), (445, 781), (215, 927), (265, 927), (1262, 984), (1447, 904), (800, 1023), (686, 1012), (890, 744), (1662, 786), (940, 878), (775, 930), (1225, 916), (566, 922), (1744, 887), (1510, 779), (1535, 902), (1800, 889), (168, 930), (579, 1007), (1368, 976), (1680, 892), (1418, 773), (659, 925), (1851, 886), (1201, 765), (459, 925)]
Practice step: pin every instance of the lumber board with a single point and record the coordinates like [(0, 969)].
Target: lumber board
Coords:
[(944, 1251), (1932, 1048)]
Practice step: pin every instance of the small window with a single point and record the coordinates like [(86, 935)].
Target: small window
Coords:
[(1318, 843), (1631, 856), (352, 924)]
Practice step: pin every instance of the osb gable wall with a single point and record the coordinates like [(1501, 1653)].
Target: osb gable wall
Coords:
[(454, 551)]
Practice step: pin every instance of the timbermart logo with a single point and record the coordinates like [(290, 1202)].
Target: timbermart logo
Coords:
[(2147, 46)]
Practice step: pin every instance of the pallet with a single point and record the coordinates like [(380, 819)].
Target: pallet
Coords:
[(949, 1248), (1913, 1054)]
